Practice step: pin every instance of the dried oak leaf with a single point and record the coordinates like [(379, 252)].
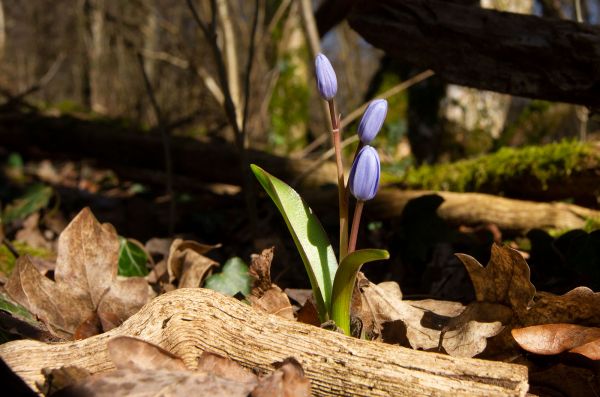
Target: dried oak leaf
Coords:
[(548, 339), (578, 306), (266, 296), (424, 324), (504, 280), (287, 381), (85, 281), (187, 264)]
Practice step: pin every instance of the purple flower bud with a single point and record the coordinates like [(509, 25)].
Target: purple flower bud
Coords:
[(372, 120), (364, 176), (326, 80)]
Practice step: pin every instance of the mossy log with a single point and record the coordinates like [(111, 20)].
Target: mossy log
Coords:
[(190, 321)]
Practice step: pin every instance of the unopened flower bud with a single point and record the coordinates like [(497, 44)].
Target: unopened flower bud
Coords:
[(364, 175), (326, 80), (372, 120)]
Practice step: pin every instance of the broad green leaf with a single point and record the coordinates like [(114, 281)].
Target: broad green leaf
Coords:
[(34, 199), (233, 278), (308, 234), (132, 259), (343, 285)]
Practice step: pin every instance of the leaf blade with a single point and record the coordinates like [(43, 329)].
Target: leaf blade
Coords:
[(308, 235), (343, 284)]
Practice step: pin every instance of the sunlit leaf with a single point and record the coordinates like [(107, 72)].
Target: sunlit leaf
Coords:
[(308, 235), (34, 199), (132, 259), (343, 284), (232, 279)]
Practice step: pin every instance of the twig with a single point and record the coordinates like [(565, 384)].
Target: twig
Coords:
[(358, 111), (230, 111), (350, 118), (166, 141)]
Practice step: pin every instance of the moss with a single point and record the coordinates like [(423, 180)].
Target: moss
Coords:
[(542, 162)]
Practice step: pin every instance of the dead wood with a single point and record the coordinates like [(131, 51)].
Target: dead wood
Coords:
[(472, 209), (517, 54), (187, 322)]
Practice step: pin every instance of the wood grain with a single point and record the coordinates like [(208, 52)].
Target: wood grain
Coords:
[(189, 321)]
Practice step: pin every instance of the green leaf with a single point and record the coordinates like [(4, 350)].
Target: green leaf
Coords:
[(34, 199), (16, 310), (343, 285), (233, 278), (132, 259), (308, 234)]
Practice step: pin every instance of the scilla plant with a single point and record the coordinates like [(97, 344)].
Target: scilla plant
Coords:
[(333, 285)]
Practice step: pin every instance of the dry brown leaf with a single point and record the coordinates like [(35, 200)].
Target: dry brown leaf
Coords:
[(58, 378), (155, 383), (579, 305), (591, 349), (264, 295), (287, 381), (224, 367), (132, 353), (85, 280), (31, 235), (550, 339), (427, 321), (504, 280), (187, 265)]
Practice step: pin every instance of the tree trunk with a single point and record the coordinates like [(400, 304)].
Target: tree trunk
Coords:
[(190, 321)]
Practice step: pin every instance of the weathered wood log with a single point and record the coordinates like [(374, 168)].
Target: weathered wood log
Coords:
[(189, 321), (126, 146), (516, 216), (517, 54), (478, 208)]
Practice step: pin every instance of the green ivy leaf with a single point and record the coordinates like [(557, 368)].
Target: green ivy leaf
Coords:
[(232, 279), (343, 285), (132, 259), (34, 199), (308, 235)]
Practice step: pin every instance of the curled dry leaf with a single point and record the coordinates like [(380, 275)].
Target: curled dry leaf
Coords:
[(221, 366), (187, 264), (85, 281), (425, 323), (579, 305), (550, 339), (504, 280), (266, 296), (287, 381)]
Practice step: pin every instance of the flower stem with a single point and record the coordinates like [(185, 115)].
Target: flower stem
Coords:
[(342, 196), (355, 225)]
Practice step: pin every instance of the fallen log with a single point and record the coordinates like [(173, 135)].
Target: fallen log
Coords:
[(516, 54), (190, 321), (126, 147)]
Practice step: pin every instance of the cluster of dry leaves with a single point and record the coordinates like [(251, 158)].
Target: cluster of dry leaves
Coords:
[(85, 296)]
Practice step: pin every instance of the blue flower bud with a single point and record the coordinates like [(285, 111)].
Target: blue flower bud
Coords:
[(364, 175), (372, 120), (326, 80)]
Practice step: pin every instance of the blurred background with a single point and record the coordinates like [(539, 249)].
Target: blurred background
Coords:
[(149, 111)]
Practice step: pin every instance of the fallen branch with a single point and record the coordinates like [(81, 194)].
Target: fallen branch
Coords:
[(189, 321)]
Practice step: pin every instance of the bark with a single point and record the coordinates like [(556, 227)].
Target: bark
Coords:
[(477, 208), (516, 54), (189, 321), (2, 31)]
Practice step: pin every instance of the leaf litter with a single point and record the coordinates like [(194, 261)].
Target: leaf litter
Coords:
[(146, 370), (85, 281)]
